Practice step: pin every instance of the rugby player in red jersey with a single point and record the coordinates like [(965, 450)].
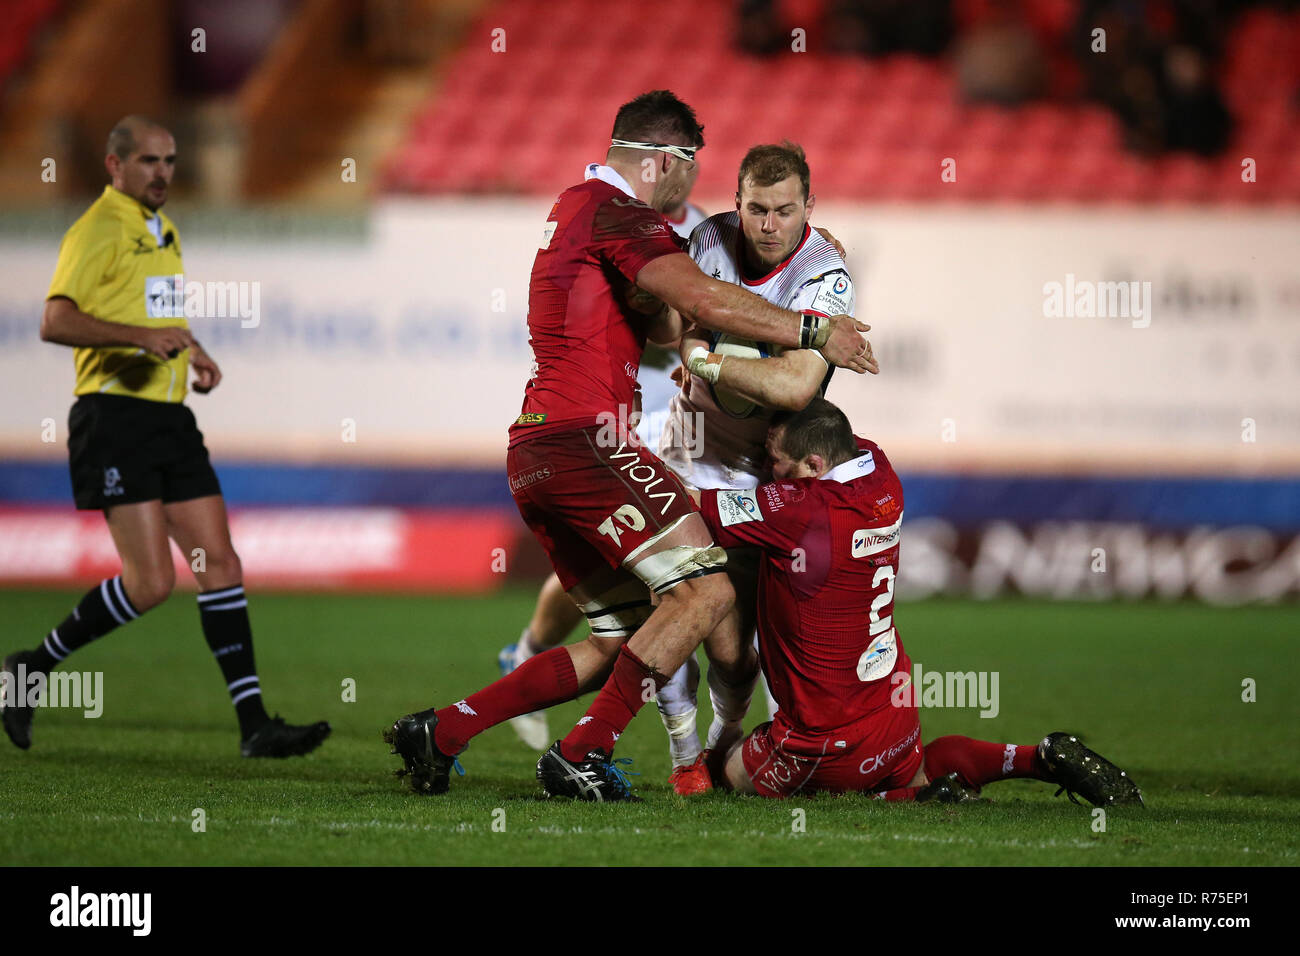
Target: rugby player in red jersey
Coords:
[(554, 614), (615, 521), (828, 528)]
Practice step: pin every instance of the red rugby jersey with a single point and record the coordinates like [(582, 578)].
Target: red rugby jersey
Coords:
[(826, 588), (587, 342)]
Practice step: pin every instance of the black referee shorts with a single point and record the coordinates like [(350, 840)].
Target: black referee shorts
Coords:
[(124, 450)]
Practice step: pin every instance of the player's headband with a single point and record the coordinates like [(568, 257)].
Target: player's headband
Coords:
[(681, 152)]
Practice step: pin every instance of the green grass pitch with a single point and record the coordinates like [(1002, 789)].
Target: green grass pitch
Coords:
[(1156, 687)]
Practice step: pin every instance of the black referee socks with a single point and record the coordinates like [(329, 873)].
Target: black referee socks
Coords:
[(101, 609), (224, 615)]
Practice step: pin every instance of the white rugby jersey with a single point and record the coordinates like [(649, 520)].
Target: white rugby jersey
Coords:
[(707, 446)]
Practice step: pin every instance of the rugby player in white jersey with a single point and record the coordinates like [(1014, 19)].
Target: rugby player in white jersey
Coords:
[(767, 246), (718, 423)]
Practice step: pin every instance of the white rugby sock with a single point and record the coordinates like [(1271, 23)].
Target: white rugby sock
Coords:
[(772, 706), (677, 708), (524, 648)]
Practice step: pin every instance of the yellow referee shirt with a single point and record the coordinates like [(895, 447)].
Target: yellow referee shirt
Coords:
[(120, 262)]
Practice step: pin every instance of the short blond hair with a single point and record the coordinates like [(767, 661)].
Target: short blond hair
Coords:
[(768, 164)]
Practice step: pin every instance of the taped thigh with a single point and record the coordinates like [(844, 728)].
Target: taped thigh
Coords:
[(618, 611), (663, 570)]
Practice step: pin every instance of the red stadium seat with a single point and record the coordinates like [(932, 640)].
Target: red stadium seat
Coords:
[(873, 129), (23, 20)]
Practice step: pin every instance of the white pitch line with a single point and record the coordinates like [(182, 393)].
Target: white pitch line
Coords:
[(558, 830)]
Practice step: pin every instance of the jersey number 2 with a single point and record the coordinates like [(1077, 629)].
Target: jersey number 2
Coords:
[(884, 573)]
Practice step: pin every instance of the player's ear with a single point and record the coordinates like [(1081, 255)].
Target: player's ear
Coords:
[(808, 206), (816, 464), (112, 164)]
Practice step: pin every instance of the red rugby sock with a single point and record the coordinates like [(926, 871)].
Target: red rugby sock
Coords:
[(539, 682), (978, 762), (623, 695)]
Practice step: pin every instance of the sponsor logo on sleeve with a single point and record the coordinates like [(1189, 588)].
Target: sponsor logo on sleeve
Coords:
[(737, 507), (833, 295), (773, 497), (531, 418), (869, 541)]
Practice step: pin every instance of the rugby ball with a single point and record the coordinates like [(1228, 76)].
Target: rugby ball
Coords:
[(737, 406)]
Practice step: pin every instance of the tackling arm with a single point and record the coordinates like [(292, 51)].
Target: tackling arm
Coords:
[(678, 281), (666, 328)]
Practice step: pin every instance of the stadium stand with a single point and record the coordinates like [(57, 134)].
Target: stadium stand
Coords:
[(524, 119), (23, 21)]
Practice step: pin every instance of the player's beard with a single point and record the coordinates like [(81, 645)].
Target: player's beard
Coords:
[(669, 193), (769, 259)]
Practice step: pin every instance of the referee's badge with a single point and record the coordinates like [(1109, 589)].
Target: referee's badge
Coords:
[(112, 477), (164, 296)]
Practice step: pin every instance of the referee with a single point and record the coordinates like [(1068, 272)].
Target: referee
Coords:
[(136, 453)]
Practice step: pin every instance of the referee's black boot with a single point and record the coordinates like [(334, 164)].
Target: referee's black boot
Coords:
[(15, 710), (275, 738)]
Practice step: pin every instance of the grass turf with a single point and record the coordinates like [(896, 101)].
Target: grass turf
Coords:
[(1156, 687)]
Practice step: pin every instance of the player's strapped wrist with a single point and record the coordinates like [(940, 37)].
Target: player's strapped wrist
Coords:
[(698, 362), (814, 330)]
